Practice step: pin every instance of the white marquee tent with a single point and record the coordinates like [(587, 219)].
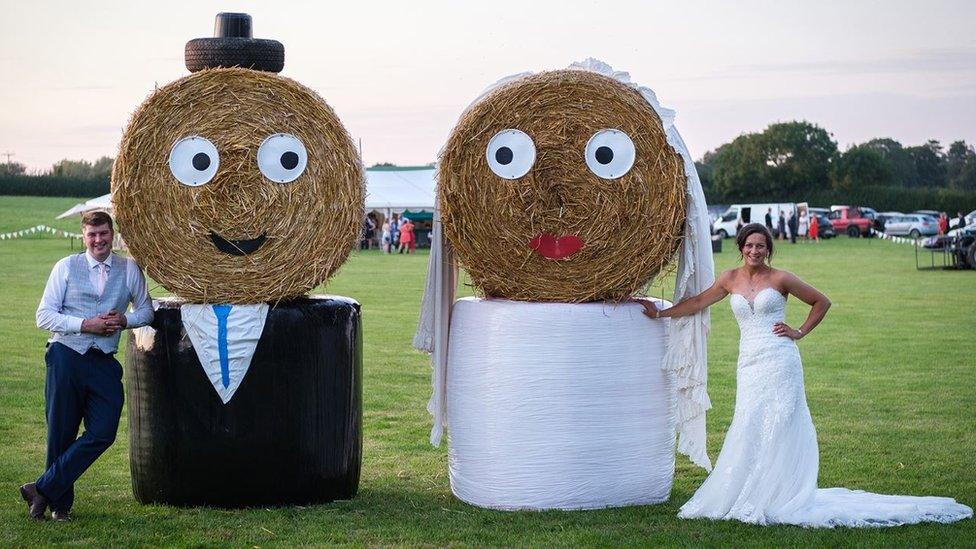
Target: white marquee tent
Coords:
[(393, 190), (388, 190), (100, 203)]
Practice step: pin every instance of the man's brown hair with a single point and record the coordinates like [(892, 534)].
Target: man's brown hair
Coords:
[(96, 218)]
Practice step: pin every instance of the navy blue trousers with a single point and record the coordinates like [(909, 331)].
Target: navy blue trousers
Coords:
[(78, 388)]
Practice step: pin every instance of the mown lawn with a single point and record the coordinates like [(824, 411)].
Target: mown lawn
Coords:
[(889, 376)]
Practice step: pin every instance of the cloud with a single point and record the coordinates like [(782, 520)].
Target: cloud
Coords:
[(90, 87), (93, 129), (932, 60)]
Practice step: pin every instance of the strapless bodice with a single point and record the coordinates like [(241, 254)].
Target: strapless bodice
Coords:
[(758, 345), (757, 317)]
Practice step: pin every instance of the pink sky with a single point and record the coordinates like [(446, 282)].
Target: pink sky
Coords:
[(398, 73)]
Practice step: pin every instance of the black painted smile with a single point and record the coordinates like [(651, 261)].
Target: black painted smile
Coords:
[(237, 247)]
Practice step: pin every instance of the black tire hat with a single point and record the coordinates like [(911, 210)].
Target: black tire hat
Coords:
[(233, 46)]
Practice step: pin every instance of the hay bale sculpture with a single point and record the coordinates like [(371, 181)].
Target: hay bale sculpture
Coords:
[(240, 191), (563, 194)]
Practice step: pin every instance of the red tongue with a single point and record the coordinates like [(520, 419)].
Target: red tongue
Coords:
[(556, 247)]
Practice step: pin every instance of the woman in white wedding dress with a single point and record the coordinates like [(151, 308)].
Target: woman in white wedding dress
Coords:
[(766, 472)]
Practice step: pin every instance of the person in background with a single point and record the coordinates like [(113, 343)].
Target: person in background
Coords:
[(962, 220), (792, 227), (781, 228), (407, 238), (387, 236), (83, 307), (804, 225), (943, 223), (394, 232), (769, 219), (369, 232), (814, 229)]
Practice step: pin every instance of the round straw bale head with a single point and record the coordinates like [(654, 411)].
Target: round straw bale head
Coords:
[(590, 218), (238, 186)]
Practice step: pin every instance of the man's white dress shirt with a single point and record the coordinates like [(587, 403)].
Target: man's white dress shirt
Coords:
[(49, 316)]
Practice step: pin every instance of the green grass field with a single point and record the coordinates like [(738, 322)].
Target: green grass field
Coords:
[(889, 377)]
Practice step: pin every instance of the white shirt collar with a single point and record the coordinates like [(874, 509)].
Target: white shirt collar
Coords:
[(92, 261)]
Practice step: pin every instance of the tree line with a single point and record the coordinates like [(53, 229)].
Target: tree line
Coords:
[(794, 161), (101, 169), (76, 178), (789, 161)]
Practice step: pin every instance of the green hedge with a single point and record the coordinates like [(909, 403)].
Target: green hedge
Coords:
[(52, 185), (900, 199), (879, 198)]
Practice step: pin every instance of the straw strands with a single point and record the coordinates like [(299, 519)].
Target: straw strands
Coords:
[(310, 224), (630, 226)]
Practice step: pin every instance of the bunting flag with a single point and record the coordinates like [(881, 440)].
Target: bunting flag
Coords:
[(39, 229), (897, 239)]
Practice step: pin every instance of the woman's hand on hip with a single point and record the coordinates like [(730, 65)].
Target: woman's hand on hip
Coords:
[(783, 330)]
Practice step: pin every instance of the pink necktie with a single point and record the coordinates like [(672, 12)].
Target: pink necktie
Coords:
[(102, 277)]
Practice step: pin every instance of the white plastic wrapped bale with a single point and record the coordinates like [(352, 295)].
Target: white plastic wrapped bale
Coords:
[(558, 405)]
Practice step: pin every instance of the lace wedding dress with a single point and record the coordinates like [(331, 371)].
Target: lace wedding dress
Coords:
[(767, 470)]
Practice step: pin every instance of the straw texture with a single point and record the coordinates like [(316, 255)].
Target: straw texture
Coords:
[(630, 226), (310, 224)]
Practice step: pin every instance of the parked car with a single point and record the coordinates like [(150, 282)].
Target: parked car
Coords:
[(869, 213), (882, 218), (913, 225), (848, 220), (824, 228), (741, 214)]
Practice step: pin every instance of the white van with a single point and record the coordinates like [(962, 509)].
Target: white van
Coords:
[(742, 214)]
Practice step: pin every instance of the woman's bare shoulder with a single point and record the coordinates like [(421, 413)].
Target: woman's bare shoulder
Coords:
[(782, 277), (728, 274), (726, 277)]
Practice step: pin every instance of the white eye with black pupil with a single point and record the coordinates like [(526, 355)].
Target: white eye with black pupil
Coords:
[(510, 154), (282, 158), (610, 154), (193, 161)]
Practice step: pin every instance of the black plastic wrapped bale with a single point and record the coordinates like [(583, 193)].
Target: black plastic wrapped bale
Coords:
[(291, 434)]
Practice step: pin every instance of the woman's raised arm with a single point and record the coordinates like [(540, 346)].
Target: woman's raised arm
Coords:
[(715, 293)]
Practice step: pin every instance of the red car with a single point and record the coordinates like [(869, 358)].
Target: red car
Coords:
[(849, 220)]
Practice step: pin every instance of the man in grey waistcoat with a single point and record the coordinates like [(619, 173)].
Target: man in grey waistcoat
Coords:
[(83, 307)]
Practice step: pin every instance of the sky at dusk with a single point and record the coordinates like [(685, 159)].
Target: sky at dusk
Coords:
[(399, 73)]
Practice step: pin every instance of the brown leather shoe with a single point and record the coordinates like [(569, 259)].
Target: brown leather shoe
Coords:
[(61, 516), (36, 502)]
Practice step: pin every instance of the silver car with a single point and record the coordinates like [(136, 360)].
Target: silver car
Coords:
[(913, 225)]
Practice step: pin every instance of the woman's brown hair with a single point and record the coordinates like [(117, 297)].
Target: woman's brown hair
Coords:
[(751, 229)]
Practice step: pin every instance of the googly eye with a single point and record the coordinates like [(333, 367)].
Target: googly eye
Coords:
[(610, 154), (511, 154), (282, 158), (193, 161)]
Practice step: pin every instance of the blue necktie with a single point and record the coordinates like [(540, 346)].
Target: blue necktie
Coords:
[(222, 312)]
